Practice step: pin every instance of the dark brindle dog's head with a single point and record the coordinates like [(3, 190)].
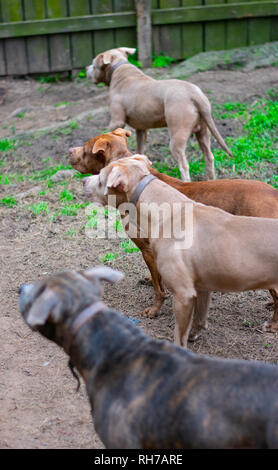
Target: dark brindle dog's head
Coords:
[(51, 305)]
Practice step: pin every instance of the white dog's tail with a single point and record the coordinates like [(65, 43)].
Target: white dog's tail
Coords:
[(204, 109)]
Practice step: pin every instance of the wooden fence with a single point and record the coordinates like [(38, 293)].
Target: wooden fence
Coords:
[(42, 36)]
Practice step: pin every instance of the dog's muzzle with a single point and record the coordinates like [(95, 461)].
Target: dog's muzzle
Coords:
[(24, 292)]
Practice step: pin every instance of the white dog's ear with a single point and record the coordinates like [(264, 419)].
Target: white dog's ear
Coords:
[(106, 58), (143, 158), (128, 50), (117, 179), (46, 305)]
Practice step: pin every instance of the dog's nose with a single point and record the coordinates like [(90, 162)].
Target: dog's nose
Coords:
[(71, 150)]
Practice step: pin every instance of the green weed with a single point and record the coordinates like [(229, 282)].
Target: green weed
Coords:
[(108, 257), (66, 195), (38, 208), (129, 246), (6, 144), (8, 201)]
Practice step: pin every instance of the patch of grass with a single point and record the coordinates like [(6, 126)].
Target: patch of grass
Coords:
[(108, 257), (69, 128), (162, 61), (8, 201), (258, 144), (63, 103), (4, 179), (38, 208), (71, 233), (71, 210), (48, 78), (129, 246), (66, 195), (6, 144)]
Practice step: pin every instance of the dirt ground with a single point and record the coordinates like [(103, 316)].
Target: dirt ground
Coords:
[(39, 405)]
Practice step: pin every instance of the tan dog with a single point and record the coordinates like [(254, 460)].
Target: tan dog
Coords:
[(239, 197), (226, 253), (144, 103)]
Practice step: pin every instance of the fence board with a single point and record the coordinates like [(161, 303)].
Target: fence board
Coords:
[(171, 35), (37, 47), (215, 31), (236, 32), (192, 34), (103, 40), (59, 44), (15, 49), (3, 70), (274, 29), (81, 43), (125, 37)]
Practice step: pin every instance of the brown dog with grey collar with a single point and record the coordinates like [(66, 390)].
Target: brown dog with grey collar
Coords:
[(145, 393), (144, 103)]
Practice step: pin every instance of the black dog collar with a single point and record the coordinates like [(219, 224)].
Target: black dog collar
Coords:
[(115, 66), (140, 188)]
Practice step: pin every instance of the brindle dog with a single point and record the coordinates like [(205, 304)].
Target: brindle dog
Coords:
[(145, 393)]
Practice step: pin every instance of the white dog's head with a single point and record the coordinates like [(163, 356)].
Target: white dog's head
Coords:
[(119, 179), (97, 71)]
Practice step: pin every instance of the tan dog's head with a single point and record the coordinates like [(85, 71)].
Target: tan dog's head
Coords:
[(98, 152), (119, 179), (98, 70)]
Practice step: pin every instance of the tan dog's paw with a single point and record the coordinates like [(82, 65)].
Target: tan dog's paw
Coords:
[(270, 327), (150, 312)]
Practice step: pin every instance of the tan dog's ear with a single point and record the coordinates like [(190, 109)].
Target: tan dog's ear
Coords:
[(117, 179), (100, 146), (128, 50), (122, 132)]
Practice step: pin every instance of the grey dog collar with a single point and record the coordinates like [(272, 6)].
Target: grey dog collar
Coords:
[(140, 188), (81, 319)]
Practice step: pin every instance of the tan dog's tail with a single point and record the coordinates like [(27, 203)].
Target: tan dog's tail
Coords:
[(205, 112)]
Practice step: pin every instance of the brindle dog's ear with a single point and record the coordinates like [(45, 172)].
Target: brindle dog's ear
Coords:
[(47, 305), (103, 273)]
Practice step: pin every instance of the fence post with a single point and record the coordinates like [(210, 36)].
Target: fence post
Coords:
[(144, 32)]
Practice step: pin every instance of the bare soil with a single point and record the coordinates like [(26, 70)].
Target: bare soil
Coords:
[(39, 405)]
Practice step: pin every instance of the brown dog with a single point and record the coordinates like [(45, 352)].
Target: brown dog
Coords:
[(217, 252), (239, 197), (144, 103)]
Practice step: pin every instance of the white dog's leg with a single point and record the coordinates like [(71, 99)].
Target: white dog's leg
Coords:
[(141, 137), (203, 137)]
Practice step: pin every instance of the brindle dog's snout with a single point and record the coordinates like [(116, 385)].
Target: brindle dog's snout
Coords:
[(24, 296)]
